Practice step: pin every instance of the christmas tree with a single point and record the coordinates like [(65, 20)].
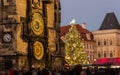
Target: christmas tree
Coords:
[(74, 48)]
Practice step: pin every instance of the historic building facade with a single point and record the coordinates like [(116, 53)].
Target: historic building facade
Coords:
[(29, 28), (89, 43), (108, 37)]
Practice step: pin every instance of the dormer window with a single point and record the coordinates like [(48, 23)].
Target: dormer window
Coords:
[(88, 36)]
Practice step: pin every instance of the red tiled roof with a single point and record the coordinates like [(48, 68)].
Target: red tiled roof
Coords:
[(64, 30)]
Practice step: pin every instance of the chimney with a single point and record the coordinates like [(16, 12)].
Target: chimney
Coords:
[(84, 25)]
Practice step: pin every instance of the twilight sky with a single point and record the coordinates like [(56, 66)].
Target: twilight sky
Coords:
[(92, 12)]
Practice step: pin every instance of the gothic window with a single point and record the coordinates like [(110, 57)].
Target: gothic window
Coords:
[(90, 57), (111, 54), (104, 42), (55, 17), (59, 6), (99, 55), (93, 57), (87, 46), (98, 43), (104, 54), (110, 42), (55, 6), (59, 17), (90, 46)]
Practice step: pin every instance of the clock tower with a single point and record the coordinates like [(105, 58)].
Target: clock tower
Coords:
[(29, 32), (35, 34), (41, 31)]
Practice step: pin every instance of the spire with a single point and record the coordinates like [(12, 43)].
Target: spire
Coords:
[(110, 22)]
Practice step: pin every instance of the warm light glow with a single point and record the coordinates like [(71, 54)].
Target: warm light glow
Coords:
[(103, 60), (118, 59), (74, 53)]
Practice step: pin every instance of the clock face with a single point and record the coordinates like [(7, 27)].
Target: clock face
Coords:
[(7, 37), (37, 24), (38, 50)]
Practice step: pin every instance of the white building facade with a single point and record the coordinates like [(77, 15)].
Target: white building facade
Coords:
[(108, 38)]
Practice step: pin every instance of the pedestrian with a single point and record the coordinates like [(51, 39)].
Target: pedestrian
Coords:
[(76, 70), (11, 71), (82, 73)]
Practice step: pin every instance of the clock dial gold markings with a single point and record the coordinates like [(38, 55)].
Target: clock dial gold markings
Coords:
[(37, 24), (38, 50)]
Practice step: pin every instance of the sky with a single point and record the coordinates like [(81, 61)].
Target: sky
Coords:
[(92, 12)]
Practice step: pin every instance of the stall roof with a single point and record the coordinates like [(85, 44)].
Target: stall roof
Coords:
[(107, 61)]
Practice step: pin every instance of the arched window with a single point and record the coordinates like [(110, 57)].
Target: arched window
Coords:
[(105, 55), (99, 55), (110, 42), (104, 42), (87, 46), (98, 43), (111, 54)]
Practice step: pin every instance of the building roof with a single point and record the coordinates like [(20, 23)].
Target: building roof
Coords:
[(83, 32), (110, 22)]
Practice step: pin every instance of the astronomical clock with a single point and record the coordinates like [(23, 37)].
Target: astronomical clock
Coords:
[(37, 27), (42, 24), (37, 24), (38, 50), (36, 35)]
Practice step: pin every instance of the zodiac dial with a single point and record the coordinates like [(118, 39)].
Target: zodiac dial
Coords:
[(38, 50), (37, 24)]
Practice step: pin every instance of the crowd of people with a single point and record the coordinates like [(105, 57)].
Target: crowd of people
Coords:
[(92, 70), (26, 71), (76, 70)]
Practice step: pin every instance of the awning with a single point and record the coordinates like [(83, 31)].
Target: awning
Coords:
[(107, 61)]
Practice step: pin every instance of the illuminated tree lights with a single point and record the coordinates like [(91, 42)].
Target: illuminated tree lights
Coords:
[(74, 49)]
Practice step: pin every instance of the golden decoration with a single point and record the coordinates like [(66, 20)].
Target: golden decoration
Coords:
[(38, 50), (37, 24), (74, 48)]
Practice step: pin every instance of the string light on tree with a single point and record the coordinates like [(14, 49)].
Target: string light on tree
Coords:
[(74, 49)]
